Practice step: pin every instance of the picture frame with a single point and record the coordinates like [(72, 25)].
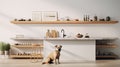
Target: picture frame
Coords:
[(49, 16), (37, 16)]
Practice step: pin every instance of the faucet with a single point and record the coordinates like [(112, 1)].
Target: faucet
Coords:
[(63, 33)]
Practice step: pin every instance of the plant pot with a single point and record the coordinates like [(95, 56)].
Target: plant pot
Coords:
[(6, 52)]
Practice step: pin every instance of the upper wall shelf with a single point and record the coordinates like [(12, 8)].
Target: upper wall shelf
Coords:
[(64, 22)]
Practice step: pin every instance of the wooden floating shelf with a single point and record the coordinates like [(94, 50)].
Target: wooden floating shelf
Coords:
[(25, 46), (106, 46), (114, 56), (64, 22), (26, 56)]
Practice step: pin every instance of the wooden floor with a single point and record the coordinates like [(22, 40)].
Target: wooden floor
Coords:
[(34, 63)]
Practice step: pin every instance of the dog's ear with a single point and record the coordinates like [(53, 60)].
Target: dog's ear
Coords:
[(55, 45), (60, 46)]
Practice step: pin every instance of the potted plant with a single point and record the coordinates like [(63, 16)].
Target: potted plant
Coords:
[(7, 48), (2, 48)]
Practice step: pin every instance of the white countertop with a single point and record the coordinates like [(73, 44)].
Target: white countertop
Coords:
[(92, 38), (100, 38)]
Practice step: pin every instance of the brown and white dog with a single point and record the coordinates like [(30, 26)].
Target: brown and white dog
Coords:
[(53, 56)]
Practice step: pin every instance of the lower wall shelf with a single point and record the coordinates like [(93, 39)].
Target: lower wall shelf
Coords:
[(107, 57), (27, 56)]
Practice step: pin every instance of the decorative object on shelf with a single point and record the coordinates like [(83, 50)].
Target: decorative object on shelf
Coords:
[(76, 19), (63, 33), (79, 35), (44, 16), (15, 20), (48, 34), (20, 36), (52, 34), (95, 18), (87, 36), (108, 18), (27, 44), (86, 18), (22, 19), (91, 20), (67, 18), (36, 15), (102, 19), (29, 20), (49, 16), (24, 53), (23, 43), (16, 44)]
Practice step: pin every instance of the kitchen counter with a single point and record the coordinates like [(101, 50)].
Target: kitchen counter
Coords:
[(99, 38), (73, 50)]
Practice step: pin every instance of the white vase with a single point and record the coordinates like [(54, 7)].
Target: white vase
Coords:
[(6, 52)]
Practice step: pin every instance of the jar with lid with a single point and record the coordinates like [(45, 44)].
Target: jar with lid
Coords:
[(108, 18), (95, 18)]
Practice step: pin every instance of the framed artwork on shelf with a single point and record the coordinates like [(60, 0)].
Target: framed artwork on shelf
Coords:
[(36, 15), (49, 16)]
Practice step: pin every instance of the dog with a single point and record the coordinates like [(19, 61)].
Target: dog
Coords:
[(54, 56)]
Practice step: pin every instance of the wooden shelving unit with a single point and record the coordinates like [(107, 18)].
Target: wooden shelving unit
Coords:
[(37, 51), (103, 49), (107, 57), (64, 22), (106, 46), (26, 46), (27, 56)]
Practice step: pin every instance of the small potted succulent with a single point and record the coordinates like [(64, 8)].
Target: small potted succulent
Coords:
[(2, 48), (7, 48)]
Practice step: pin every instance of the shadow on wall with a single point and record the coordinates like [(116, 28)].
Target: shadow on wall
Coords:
[(5, 15), (73, 54)]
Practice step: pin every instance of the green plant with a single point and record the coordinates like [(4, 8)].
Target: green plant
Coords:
[(2, 46), (7, 47)]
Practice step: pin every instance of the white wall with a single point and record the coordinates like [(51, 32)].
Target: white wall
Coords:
[(11, 9)]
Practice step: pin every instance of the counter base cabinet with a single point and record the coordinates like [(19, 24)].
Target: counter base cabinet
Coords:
[(72, 51), (104, 49)]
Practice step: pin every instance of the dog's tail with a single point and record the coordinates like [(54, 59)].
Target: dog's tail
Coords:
[(43, 62), (47, 63)]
